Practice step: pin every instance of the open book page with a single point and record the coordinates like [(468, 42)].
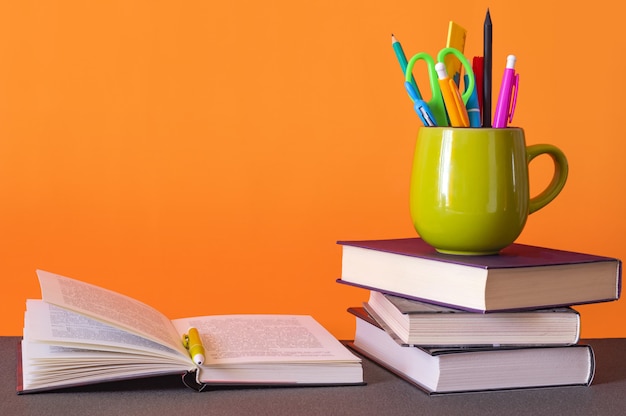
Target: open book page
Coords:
[(64, 348), (58, 327), (232, 339), (110, 307)]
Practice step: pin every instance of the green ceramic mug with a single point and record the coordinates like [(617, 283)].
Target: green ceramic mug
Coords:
[(469, 187)]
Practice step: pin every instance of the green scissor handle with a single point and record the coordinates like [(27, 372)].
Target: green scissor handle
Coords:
[(435, 104), (468, 70)]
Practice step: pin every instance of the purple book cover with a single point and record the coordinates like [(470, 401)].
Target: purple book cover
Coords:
[(515, 255)]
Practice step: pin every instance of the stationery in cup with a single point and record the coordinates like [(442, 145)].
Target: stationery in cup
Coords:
[(448, 105)]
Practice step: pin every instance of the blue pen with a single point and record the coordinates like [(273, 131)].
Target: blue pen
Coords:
[(473, 108), (420, 106)]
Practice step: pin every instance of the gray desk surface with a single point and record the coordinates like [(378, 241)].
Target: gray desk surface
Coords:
[(384, 394)]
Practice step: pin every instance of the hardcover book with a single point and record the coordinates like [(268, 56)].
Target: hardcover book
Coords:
[(461, 370), (81, 334), (519, 277), (419, 323)]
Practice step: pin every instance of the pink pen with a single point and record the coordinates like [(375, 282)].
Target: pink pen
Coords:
[(504, 108)]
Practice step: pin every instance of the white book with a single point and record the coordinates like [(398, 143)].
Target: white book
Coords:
[(460, 370), (420, 323), (81, 334), (519, 277)]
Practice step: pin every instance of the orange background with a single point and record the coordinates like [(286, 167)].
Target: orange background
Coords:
[(204, 157)]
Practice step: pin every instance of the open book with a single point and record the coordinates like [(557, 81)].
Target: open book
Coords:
[(81, 334)]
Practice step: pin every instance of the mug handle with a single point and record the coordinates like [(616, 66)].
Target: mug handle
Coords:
[(559, 177)]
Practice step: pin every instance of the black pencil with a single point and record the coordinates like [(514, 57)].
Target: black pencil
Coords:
[(487, 67)]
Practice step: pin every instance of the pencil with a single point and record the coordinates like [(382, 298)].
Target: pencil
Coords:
[(397, 48), (487, 69)]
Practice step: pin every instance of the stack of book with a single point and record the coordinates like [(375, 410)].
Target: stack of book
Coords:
[(452, 324)]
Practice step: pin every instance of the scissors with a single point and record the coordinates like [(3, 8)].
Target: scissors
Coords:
[(433, 112)]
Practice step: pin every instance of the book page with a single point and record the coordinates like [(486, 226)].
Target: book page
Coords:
[(108, 306), (265, 338), (44, 322)]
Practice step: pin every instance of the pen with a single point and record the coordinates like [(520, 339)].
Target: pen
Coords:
[(420, 106), (397, 47), (193, 343), (457, 113), (477, 67), (487, 70), (504, 108), (473, 108)]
